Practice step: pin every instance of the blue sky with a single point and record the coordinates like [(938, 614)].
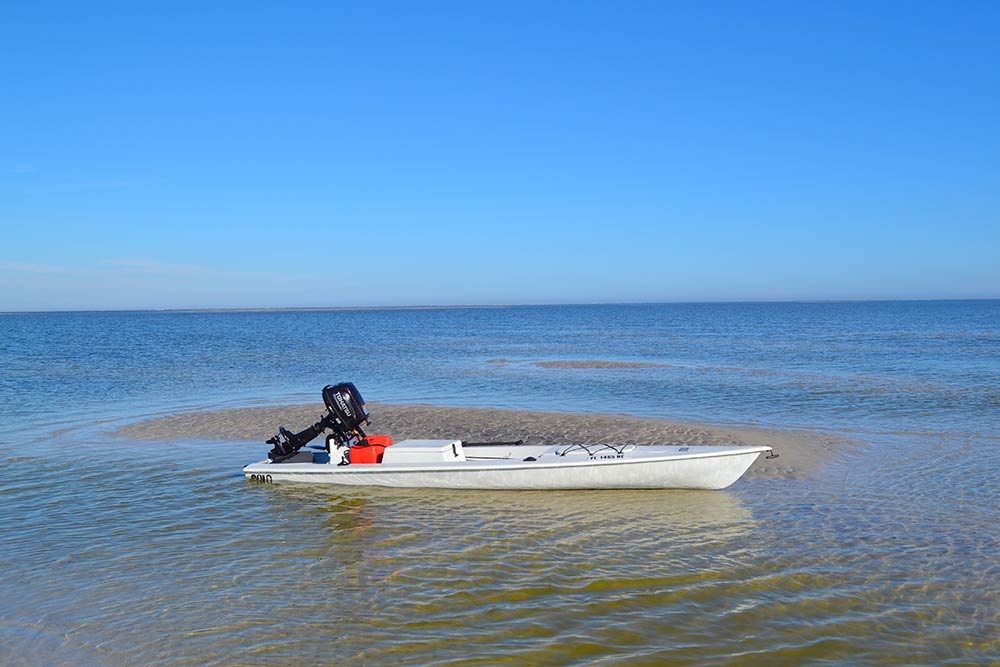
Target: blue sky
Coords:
[(369, 153)]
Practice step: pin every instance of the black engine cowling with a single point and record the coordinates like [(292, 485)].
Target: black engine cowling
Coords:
[(347, 412), (347, 408)]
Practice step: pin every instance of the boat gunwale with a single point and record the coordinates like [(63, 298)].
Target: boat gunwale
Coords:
[(492, 465)]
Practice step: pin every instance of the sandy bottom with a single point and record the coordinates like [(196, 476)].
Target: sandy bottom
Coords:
[(802, 453)]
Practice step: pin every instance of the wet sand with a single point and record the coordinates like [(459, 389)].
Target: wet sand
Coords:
[(802, 453)]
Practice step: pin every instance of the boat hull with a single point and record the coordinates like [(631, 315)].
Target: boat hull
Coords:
[(643, 468)]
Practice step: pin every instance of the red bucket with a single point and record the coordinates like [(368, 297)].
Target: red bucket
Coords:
[(370, 449)]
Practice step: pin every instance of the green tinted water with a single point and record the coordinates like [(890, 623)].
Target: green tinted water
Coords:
[(170, 558)]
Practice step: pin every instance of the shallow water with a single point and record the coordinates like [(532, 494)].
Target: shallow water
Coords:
[(131, 553)]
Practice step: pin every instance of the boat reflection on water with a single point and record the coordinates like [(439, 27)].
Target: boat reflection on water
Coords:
[(684, 514), (422, 528), (424, 568)]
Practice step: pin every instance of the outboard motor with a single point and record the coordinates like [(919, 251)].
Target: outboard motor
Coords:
[(347, 410), (346, 413)]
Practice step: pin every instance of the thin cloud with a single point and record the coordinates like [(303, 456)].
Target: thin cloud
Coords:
[(18, 170), (142, 282), (85, 186), (137, 268), (145, 265), (42, 269)]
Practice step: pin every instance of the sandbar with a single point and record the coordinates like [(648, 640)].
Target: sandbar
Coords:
[(802, 453), (585, 364)]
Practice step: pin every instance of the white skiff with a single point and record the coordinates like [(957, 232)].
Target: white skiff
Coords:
[(449, 464)]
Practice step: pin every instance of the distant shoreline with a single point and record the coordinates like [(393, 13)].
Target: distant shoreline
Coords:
[(308, 309), (316, 309)]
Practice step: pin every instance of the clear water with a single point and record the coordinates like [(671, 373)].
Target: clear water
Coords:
[(118, 552)]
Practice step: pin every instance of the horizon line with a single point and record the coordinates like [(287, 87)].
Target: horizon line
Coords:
[(282, 309)]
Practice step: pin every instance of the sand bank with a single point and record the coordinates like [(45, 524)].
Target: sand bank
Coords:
[(589, 364), (599, 364), (802, 453)]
